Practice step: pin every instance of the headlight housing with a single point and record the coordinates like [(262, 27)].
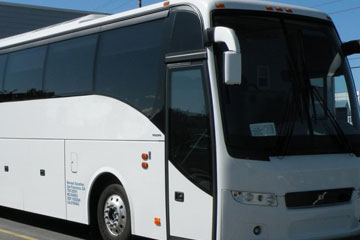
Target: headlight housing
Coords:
[(253, 198)]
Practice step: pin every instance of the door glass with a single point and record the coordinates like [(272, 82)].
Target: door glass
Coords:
[(190, 145)]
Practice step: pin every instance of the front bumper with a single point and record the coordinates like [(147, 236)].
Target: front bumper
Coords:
[(280, 223)]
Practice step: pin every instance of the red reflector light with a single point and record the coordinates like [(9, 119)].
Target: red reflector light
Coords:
[(288, 10), (220, 5), (269, 8), (279, 9), (166, 4), (145, 156), (145, 165)]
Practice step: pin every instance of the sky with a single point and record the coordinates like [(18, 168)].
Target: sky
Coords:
[(345, 14)]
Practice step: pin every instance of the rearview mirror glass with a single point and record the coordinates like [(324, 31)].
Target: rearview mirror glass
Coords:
[(232, 68)]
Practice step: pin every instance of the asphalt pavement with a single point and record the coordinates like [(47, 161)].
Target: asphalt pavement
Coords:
[(19, 225)]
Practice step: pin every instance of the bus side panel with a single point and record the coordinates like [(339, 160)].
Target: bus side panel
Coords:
[(145, 188), (44, 189), (35, 175), (11, 175)]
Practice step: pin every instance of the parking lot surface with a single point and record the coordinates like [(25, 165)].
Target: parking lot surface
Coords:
[(18, 225)]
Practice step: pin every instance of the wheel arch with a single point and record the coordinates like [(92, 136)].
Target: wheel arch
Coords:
[(100, 180)]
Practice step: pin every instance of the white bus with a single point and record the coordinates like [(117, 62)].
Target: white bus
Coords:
[(197, 120)]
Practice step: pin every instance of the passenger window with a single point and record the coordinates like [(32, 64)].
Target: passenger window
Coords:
[(24, 71), (131, 66), (189, 126), (70, 65), (187, 33), (2, 70)]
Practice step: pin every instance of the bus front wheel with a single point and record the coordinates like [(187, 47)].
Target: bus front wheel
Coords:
[(113, 214)]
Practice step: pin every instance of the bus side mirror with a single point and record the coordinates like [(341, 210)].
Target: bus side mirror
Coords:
[(231, 57), (351, 47)]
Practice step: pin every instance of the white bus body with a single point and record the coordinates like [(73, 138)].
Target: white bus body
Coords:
[(63, 145)]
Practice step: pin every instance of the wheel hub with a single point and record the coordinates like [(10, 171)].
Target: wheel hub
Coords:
[(115, 215)]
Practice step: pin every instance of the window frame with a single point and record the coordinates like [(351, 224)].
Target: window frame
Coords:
[(74, 93), (202, 65), (6, 69)]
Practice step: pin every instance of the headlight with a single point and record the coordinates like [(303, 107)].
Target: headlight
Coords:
[(252, 198)]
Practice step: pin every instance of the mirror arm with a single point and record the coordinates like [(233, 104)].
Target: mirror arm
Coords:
[(351, 47), (224, 35), (231, 57)]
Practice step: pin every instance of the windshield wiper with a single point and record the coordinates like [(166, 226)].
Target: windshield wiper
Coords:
[(313, 92), (301, 98), (287, 127), (307, 94), (292, 109), (339, 132)]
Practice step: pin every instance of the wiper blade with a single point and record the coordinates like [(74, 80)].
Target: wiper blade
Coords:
[(288, 122), (312, 91), (301, 98), (339, 132)]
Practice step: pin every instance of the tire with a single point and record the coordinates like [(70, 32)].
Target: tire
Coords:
[(113, 214)]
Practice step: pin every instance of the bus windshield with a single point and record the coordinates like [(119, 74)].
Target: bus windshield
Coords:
[(293, 99)]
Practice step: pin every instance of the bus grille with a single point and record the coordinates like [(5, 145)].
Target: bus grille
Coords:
[(318, 198)]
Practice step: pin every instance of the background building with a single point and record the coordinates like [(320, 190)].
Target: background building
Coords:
[(20, 18), (342, 104)]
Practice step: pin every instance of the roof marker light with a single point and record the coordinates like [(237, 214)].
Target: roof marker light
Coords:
[(288, 10), (220, 5), (269, 8), (328, 18), (279, 9), (167, 3)]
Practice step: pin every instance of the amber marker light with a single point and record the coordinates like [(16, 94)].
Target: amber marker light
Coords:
[(157, 221), (145, 156), (269, 8), (288, 10), (279, 9), (145, 165), (166, 3), (220, 5)]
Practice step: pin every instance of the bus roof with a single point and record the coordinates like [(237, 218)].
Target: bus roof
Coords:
[(204, 7)]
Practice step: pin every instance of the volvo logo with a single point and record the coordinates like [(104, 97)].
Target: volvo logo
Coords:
[(320, 197)]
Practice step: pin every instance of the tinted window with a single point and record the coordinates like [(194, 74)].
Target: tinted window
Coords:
[(190, 145), (24, 70), (291, 101), (70, 65), (187, 33), (131, 66), (2, 70)]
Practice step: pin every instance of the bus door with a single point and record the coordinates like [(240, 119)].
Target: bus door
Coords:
[(189, 152)]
